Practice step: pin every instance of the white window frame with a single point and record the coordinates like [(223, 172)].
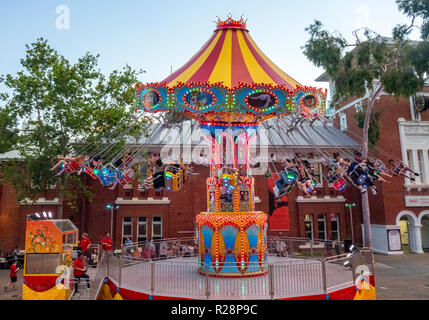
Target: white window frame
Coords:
[(311, 224), (338, 227), (139, 223), (156, 223), (123, 227), (343, 121), (324, 226)]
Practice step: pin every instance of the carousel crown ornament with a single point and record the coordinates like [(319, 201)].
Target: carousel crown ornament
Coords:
[(230, 87)]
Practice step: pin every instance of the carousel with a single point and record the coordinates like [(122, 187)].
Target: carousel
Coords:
[(230, 87)]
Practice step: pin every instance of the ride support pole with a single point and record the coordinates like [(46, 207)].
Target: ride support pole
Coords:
[(324, 282), (152, 277), (271, 280)]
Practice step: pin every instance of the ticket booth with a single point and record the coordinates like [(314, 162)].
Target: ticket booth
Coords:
[(48, 259)]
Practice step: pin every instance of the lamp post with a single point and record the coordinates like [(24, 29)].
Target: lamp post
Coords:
[(350, 206), (111, 217)]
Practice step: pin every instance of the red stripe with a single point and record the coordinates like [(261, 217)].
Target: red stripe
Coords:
[(204, 72), (273, 75), (40, 283), (239, 71), (190, 62)]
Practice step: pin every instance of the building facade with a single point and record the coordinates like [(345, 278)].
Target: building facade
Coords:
[(400, 210), (145, 215)]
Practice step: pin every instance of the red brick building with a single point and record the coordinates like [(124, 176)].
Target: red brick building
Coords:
[(402, 207), (150, 215)]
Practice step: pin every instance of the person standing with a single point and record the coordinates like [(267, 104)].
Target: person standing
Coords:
[(85, 244), (13, 276), (128, 245), (107, 243), (79, 271)]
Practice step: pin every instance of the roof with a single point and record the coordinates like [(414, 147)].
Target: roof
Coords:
[(303, 136), (231, 56), (10, 155)]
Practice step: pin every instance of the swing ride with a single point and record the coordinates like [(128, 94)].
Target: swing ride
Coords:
[(231, 89)]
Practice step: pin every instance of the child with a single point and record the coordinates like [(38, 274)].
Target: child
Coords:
[(399, 169), (13, 276), (70, 165)]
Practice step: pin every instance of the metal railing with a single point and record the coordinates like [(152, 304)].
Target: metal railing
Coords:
[(286, 247), (180, 279), (96, 281)]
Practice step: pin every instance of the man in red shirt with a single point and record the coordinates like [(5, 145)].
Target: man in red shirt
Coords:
[(107, 243), (13, 276), (79, 272), (85, 244)]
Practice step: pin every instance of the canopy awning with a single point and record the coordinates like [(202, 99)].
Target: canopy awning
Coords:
[(231, 57)]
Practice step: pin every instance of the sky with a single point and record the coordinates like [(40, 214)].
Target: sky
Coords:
[(159, 35)]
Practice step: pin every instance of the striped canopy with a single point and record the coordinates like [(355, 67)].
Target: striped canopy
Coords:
[(232, 57)]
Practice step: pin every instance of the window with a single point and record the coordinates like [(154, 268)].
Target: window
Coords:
[(321, 227), (318, 173), (421, 168), (127, 229), (156, 228), (42, 263), (335, 227), (343, 121), (308, 226), (410, 161), (142, 229)]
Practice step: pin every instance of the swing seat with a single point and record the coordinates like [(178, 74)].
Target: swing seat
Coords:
[(93, 173), (229, 177), (340, 184), (292, 176), (70, 167), (173, 178)]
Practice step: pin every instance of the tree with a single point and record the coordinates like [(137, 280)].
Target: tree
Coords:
[(64, 108), (373, 65)]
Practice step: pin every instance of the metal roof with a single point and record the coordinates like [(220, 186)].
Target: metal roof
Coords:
[(273, 133)]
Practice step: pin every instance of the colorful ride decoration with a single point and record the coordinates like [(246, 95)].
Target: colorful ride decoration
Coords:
[(230, 86), (48, 259)]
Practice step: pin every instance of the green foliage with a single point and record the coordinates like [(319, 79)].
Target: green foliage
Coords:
[(413, 9), (374, 125), (67, 108)]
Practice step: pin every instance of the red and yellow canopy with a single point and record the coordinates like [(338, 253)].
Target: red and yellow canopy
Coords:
[(232, 57)]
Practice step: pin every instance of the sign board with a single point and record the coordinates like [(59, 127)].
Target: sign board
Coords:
[(394, 240), (417, 201)]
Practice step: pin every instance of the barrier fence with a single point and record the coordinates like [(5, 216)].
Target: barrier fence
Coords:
[(180, 279), (188, 247)]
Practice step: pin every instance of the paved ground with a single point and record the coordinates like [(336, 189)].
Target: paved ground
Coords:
[(10, 295), (404, 277)]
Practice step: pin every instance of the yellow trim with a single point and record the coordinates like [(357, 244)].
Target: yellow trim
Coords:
[(256, 72), (222, 69), (189, 72), (281, 73)]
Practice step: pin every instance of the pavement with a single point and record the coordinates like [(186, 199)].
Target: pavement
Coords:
[(402, 277), (9, 294)]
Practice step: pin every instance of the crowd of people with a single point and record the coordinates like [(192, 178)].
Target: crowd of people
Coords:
[(121, 171)]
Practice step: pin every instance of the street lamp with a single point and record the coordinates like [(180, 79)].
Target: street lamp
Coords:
[(350, 206), (111, 217)]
